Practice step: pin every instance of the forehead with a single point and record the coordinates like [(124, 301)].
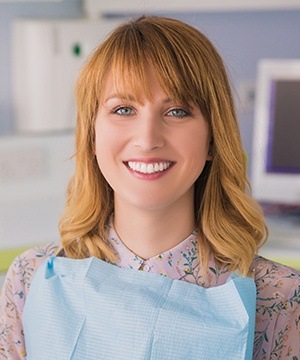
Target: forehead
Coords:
[(135, 85), (131, 84)]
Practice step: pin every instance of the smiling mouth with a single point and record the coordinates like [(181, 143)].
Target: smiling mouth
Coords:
[(151, 168)]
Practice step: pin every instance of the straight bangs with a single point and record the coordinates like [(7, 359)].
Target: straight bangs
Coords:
[(134, 49)]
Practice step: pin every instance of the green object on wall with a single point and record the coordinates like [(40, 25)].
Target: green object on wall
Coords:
[(291, 262), (7, 257)]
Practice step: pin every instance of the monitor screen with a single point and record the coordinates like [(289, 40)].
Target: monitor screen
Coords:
[(283, 154), (275, 170)]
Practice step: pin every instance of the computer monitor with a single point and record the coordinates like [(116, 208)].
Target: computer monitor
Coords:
[(275, 170)]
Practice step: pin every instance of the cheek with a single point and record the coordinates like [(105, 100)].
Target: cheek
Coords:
[(103, 136), (108, 149), (101, 147), (196, 143), (104, 161), (204, 139), (104, 153)]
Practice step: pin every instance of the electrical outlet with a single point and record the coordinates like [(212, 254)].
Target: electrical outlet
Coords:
[(24, 163), (247, 95)]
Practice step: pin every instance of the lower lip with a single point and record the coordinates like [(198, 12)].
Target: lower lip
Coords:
[(153, 176)]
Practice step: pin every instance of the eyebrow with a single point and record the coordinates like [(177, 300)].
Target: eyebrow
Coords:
[(121, 96), (131, 98)]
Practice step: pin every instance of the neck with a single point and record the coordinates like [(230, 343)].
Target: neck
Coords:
[(149, 233)]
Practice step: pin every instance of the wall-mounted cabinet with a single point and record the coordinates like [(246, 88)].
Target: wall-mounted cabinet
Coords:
[(137, 6)]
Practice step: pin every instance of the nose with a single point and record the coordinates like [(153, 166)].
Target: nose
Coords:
[(149, 133)]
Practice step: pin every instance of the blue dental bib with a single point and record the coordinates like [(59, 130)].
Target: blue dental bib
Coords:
[(89, 309)]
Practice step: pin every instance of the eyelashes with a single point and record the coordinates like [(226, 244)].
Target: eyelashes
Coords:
[(123, 111), (176, 112)]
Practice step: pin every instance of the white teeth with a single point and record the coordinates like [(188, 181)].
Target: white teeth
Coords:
[(143, 168), (149, 168)]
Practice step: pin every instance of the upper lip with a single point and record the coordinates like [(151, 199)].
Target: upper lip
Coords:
[(149, 160)]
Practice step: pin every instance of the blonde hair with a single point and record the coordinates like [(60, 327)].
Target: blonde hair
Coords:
[(230, 223)]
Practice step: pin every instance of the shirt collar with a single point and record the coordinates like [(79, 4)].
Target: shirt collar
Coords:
[(176, 263)]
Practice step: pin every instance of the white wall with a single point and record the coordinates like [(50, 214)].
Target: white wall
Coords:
[(34, 172)]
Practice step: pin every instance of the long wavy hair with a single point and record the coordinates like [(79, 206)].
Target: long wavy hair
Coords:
[(230, 223)]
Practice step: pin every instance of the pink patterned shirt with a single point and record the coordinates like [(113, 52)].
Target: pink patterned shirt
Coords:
[(277, 333)]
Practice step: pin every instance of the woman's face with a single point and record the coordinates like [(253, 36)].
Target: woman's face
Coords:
[(151, 153)]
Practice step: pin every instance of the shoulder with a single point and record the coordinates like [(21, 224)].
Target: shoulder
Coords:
[(278, 286), (277, 310), (24, 267), (269, 270), (13, 296)]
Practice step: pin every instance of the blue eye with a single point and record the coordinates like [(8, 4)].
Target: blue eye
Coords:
[(180, 113), (124, 111)]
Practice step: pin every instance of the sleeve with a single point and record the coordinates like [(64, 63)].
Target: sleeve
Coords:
[(12, 299), (277, 333), (286, 337)]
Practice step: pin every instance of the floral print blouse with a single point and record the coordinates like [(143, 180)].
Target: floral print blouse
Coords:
[(277, 334)]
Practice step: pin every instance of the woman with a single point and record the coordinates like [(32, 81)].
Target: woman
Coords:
[(159, 186)]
